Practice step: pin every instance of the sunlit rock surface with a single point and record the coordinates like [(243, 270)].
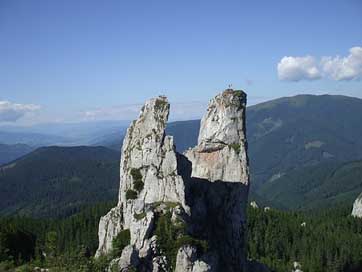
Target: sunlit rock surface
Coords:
[(357, 207), (204, 191)]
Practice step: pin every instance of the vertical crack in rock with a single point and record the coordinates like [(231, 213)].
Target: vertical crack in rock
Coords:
[(201, 195)]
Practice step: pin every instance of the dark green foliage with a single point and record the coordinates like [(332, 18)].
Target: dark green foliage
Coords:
[(316, 186), (120, 242), (160, 105), (167, 234), (138, 185), (16, 243), (280, 132), (239, 93), (137, 179), (201, 245), (131, 194), (236, 147), (69, 243), (171, 236), (330, 241), (51, 239), (168, 204), (56, 235), (58, 181), (139, 216)]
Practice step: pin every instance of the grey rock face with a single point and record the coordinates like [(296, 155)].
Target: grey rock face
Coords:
[(148, 170), (221, 151), (186, 258), (220, 163), (224, 121), (205, 190), (357, 207), (126, 262), (109, 226)]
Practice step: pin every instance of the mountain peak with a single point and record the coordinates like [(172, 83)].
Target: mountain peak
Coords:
[(160, 186)]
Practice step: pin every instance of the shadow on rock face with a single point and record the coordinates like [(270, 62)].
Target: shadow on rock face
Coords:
[(217, 212)]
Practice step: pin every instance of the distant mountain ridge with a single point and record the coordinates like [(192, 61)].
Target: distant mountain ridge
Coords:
[(288, 133), (292, 141), (65, 134), (30, 138), (56, 181), (321, 186), (11, 152)]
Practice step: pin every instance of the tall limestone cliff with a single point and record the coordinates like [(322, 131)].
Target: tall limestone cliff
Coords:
[(357, 207), (183, 212), (220, 176)]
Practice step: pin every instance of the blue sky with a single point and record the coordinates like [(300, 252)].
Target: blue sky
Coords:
[(79, 60)]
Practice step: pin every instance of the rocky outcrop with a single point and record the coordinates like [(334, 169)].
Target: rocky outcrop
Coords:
[(221, 151), (109, 226), (184, 212), (148, 175), (220, 169), (357, 207)]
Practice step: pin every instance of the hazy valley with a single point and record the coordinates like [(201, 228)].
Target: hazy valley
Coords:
[(299, 162)]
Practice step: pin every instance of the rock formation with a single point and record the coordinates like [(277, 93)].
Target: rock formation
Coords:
[(182, 212), (357, 207)]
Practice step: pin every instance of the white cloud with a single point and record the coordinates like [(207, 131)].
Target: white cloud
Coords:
[(11, 112), (335, 68), (298, 68), (347, 68)]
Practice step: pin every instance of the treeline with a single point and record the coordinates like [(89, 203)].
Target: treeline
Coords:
[(49, 242), (325, 241), (329, 240), (59, 181)]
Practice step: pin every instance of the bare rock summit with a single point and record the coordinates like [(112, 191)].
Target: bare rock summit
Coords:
[(181, 212)]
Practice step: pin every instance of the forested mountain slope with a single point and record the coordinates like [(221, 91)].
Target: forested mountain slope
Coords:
[(55, 181), (293, 132), (287, 138), (12, 152), (319, 186)]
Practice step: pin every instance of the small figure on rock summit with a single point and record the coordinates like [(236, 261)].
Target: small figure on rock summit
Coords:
[(181, 212)]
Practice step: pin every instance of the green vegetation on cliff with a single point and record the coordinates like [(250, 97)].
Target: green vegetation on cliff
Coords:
[(327, 241)]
